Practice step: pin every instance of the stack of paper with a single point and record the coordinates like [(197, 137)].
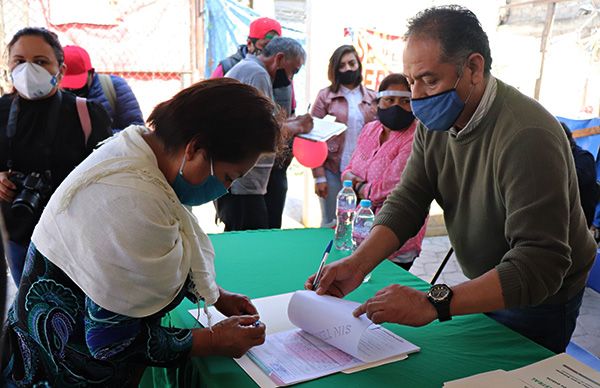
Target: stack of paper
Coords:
[(560, 371), (319, 336), (324, 129)]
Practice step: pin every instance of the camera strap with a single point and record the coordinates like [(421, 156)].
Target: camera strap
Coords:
[(50, 133)]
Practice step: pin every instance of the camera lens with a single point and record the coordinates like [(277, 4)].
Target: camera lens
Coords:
[(27, 200)]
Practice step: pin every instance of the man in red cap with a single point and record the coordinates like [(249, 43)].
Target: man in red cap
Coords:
[(109, 90), (262, 30)]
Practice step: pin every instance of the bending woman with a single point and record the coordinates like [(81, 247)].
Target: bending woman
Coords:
[(115, 248)]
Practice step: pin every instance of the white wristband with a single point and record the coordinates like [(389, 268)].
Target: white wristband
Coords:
[(320, 179)]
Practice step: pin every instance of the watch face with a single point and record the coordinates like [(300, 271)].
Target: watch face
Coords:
[(439, 292)]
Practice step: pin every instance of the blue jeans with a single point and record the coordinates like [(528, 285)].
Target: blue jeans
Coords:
[(328, 204), (16, 260), (549, 325)]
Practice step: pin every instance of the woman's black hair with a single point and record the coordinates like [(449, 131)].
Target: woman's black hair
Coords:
[(334, 64), (393, 79), (50, 37), (230, 120)]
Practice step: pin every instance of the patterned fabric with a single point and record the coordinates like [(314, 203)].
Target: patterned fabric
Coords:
[(380, 165), (56, 336)]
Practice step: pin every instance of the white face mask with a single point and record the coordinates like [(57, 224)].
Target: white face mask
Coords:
[(32, 81)]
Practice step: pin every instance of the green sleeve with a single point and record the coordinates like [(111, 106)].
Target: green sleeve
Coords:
[(535, 178)]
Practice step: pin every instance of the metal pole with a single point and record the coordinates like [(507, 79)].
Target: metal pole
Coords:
[(550, 11)]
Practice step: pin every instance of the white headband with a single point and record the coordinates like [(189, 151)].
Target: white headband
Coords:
[(393, 93)]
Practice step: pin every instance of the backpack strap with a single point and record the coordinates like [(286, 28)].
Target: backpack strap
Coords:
[(84, 117), (108, 88)]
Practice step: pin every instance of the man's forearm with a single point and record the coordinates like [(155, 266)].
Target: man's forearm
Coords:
[(480, 295), (381, 243)]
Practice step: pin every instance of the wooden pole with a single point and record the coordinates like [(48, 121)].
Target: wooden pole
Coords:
[(550, 11)]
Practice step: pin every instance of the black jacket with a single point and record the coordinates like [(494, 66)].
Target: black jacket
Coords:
[(67, 147)]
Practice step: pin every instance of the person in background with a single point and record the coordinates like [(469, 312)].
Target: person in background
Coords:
[(585, 165), (352, 104), (111, 91), (115, 248), (381, 154), (262, 30), (501, 168), (45, 133), (246, 206)]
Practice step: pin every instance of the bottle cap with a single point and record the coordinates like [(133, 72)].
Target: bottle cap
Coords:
[(348, 183), (365, 203)]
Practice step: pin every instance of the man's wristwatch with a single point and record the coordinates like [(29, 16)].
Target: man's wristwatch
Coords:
[(440, 296)]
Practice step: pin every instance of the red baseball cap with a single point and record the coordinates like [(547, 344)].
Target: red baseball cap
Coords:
[(261, 26), (78, 64)]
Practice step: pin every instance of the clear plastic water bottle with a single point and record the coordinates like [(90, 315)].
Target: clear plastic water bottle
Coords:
[(363, 222), (346, 206)]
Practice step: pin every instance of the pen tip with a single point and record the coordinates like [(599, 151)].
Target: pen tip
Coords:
[(329, 246)]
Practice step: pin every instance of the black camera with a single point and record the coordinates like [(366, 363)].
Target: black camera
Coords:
[(33, 190)]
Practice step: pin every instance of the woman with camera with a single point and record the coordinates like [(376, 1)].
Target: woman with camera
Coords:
[(115, 248), (44, 134)]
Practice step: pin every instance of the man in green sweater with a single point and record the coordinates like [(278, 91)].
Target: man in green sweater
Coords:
[(500, 166)]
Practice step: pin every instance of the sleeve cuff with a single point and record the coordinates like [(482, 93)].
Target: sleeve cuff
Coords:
[(510, 282)]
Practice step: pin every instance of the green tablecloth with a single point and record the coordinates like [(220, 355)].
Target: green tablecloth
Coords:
[(263, 263)]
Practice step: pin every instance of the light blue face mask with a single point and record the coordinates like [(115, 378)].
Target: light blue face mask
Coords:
[(440, 111), (194, 195)]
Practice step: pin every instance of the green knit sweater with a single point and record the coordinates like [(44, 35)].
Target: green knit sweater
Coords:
[(510, 198)]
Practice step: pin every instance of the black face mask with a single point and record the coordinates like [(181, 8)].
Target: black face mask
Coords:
[(348, 77), (395, 118), (81, 92), (281, 79)]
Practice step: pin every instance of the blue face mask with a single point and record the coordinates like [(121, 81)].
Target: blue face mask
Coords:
[(440, 111), (194, 195)]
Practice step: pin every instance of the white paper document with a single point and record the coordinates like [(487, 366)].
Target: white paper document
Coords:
[(560, 371), (319, 336), (324, 129)]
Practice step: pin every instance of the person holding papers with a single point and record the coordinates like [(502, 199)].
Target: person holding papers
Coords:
[(116, 249), (381, 154), (250, 205), (487, 154), (352, 104)]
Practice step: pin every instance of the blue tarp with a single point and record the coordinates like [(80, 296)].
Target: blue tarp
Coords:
[(226, 25), (588, 143)]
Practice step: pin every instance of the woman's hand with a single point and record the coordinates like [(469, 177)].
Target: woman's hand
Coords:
[(232, 337), (230, 304), (321, 189), (7, 187)]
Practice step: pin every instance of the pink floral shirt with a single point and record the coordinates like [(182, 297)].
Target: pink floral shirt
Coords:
[(381, 166)]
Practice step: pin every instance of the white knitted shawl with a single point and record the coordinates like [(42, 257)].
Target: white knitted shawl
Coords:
[(117, 229)]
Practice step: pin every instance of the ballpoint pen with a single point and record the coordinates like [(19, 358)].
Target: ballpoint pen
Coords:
[(320, 270)]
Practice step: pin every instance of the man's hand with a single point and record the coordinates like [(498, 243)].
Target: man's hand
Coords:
[(299, 125), (398, 304), (230, 304), (338, 278), (322, 189), (7, 187), (232, 337)]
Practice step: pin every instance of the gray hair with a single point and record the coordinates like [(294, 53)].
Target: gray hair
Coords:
[(288, 46), (458, 32)]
